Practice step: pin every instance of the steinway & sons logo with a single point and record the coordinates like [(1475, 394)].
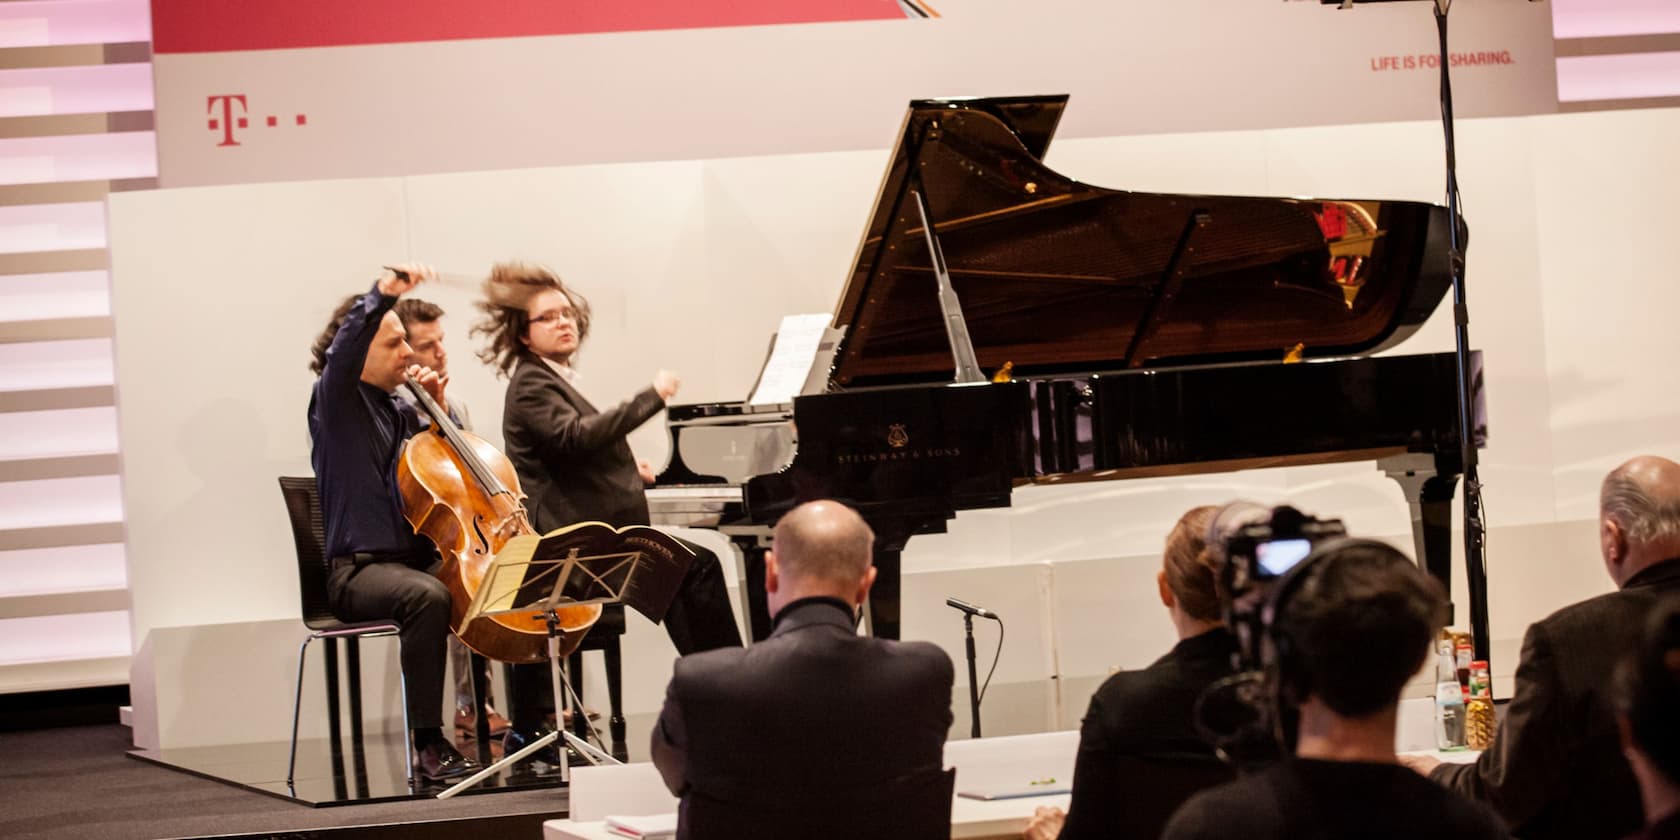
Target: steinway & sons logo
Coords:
[(898, 448), (897, 438)]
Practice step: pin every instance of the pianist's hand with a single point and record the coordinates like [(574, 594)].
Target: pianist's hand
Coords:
[(646, 470), (1046, 823), (666, 383)]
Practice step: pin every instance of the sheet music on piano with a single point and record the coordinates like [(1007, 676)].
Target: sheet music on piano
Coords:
[(793, 358)]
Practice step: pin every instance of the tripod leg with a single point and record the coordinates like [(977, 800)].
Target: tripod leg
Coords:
[(481, 718)]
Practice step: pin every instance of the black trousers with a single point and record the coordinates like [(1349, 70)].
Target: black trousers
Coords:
[(699, 619), (418, 601)]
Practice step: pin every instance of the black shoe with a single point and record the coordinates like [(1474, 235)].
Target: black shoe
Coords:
[(516, 740), (439, 760)]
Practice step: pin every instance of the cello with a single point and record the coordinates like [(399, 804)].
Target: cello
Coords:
[(463, 494)]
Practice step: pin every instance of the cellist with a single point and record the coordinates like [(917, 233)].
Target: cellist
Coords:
[(381, 568)]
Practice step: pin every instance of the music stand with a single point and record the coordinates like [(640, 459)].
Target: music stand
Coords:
[(589, 563)]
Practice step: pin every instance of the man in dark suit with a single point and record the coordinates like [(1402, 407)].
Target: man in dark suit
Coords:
[(573, 460), (1555, 768), (815, 713)]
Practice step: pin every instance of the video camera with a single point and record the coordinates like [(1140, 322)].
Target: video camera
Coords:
[(1242, 716), (1260, 546)]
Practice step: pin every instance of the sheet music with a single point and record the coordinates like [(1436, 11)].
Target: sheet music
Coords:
[(790, 361)]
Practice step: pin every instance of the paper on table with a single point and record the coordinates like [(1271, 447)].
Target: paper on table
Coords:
[(790, 360), (649, 827), (1036, 787)]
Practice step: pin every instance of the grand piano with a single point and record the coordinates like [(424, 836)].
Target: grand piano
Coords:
[(1005, 325)]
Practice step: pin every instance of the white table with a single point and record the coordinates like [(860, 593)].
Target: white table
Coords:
[(980, 763)]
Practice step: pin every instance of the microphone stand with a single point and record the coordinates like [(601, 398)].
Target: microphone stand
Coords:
[(1475, 527), (973, 683)]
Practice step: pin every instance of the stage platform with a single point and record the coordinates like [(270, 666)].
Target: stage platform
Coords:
[(335, 774), (86, 781)]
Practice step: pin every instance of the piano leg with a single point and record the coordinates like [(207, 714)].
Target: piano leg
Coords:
[(884, 607), (752, 564), (1429, 489)]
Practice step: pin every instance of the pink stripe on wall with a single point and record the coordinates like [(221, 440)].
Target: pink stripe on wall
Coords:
[(194, 26)]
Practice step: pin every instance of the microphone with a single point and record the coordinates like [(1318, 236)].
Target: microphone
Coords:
[(970, 608)]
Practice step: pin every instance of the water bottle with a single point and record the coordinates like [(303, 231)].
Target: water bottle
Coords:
[(1449, 701)]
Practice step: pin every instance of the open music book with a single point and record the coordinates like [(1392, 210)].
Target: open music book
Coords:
[(800, 355), (584, 563)]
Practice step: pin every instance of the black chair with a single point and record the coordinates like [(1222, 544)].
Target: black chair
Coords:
[(304, 509), (914, 807), (604, 637)]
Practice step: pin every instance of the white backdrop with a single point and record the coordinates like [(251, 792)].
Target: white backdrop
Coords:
[(219, 291)]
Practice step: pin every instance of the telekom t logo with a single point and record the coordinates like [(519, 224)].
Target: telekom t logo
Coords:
[(228, 121)]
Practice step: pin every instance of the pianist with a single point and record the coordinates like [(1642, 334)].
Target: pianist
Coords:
[(572, 459)]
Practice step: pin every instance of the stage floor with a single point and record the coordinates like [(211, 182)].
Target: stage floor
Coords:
[(346, 772), (81, 782)]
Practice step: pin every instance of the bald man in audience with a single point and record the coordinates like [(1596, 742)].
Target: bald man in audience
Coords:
[(813, 715), (1555, 768)]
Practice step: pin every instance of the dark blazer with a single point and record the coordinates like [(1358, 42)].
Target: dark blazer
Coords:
[(573, 461), (1139, 735), (813, 710), (1555, 768)]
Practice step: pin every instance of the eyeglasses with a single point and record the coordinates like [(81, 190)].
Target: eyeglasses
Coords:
[(552, 317)]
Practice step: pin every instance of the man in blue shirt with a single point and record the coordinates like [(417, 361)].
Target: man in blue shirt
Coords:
[(381, 568)]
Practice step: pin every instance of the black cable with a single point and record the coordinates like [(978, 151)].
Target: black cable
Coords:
[(996, 655)]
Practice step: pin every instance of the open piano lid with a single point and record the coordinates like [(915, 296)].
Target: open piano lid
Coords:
[(1058, 276)]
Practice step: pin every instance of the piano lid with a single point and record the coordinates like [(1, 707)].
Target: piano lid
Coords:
[(1058, 276)]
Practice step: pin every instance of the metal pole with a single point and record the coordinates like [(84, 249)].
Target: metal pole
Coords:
[(973, 683)]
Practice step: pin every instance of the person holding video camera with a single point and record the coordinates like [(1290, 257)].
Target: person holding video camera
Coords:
[(1138, 729), (1341, 631)]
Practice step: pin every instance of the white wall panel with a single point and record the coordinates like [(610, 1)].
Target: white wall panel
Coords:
[(1592, 78), (61, 637), (49, 227), (1612, 18), (69, 431), (32, 365), (69, 294), (43, 571), (60, 501), (91, 89), (41, 23), (78, 157)]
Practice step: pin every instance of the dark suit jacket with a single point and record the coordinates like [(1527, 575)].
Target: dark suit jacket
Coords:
[(810, 711), (1555, 768), (1139, 735), (573, 461)]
